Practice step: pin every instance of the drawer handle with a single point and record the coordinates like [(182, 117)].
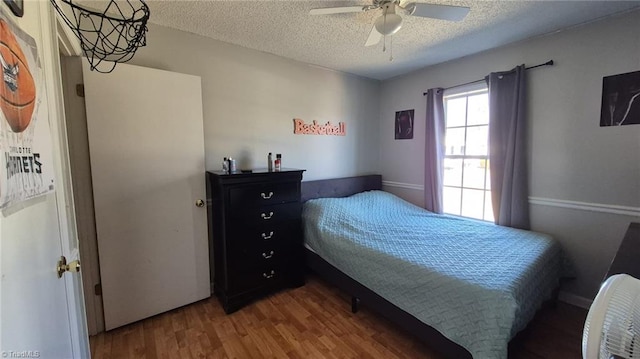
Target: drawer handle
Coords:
[(266, 196), (266, 237), (265, 217), (270, 275), (267, 256)]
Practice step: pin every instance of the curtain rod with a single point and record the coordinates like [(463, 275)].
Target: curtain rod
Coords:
[(548, 63)]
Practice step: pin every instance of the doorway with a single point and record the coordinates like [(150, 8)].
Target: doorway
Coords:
[(76, 126)]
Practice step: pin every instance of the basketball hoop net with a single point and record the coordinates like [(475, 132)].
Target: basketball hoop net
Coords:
[(112, 34)]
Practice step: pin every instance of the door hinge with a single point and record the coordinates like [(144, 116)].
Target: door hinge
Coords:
[(97, 289), (80, 90)]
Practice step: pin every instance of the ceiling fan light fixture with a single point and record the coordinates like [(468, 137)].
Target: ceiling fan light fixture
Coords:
[(388, 24)]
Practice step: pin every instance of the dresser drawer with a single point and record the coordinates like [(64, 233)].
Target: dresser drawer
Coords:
[(252, 256), (244, 279), (273, 234), (265, 214), (264, 194)]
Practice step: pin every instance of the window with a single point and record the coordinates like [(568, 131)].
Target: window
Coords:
[(466, 185)]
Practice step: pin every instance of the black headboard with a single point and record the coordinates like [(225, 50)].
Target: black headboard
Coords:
[(340, 187)]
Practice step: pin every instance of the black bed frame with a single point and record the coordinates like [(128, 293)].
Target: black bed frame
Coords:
[(343, 187)]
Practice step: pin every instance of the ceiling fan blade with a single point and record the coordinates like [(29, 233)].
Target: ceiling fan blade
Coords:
[(374, 37), (442, 12), (336, 10)]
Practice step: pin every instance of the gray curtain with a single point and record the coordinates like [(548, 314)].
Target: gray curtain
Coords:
[(507, 147), (434, 151)]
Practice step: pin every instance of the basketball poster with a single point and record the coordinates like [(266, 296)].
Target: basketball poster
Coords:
[(26, 170)]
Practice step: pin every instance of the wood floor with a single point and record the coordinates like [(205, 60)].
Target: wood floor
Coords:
[(313, 321)]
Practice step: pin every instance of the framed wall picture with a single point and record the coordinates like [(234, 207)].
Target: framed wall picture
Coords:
[(16, 6), (404, 125), (620, 100)]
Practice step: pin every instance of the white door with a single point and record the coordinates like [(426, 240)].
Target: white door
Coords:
[(146, 143), (41, 315)]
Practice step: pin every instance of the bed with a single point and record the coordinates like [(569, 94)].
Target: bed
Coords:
[(463, 286)]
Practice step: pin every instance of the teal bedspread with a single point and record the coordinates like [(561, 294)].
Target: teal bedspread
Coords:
[(476, 283)]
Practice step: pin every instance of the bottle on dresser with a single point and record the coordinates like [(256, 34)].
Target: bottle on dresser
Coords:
[(278, 164), (232, 165)]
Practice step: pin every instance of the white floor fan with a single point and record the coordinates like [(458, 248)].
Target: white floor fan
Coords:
[(612, 328)]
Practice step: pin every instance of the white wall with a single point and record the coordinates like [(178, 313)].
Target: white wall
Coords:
[(250, 99), (571, 157)]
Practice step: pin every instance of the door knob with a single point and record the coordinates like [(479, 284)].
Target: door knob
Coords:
[(199, 203), (64, 267)]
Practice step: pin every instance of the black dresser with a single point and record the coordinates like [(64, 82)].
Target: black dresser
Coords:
[(255, 234), (627, 259)]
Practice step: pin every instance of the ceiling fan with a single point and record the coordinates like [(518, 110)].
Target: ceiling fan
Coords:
[(389, 22)]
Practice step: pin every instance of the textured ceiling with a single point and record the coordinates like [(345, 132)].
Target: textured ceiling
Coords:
[(284, 28)]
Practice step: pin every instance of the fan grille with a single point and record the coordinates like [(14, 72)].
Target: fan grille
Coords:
[(618, 330)]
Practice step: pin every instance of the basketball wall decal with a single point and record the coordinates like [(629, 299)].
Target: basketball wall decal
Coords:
[(18, 89)]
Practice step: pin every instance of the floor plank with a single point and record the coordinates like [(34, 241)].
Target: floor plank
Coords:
[(313, 321)]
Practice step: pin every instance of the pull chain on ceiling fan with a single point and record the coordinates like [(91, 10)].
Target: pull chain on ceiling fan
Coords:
[(389, 22)]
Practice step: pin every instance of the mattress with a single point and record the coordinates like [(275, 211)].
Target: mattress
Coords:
[(476, 283)]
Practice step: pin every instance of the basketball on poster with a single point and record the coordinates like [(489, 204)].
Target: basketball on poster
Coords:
[(25, 136)]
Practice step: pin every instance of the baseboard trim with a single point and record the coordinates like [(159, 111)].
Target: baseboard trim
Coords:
[(586, 206), (574, 299)]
